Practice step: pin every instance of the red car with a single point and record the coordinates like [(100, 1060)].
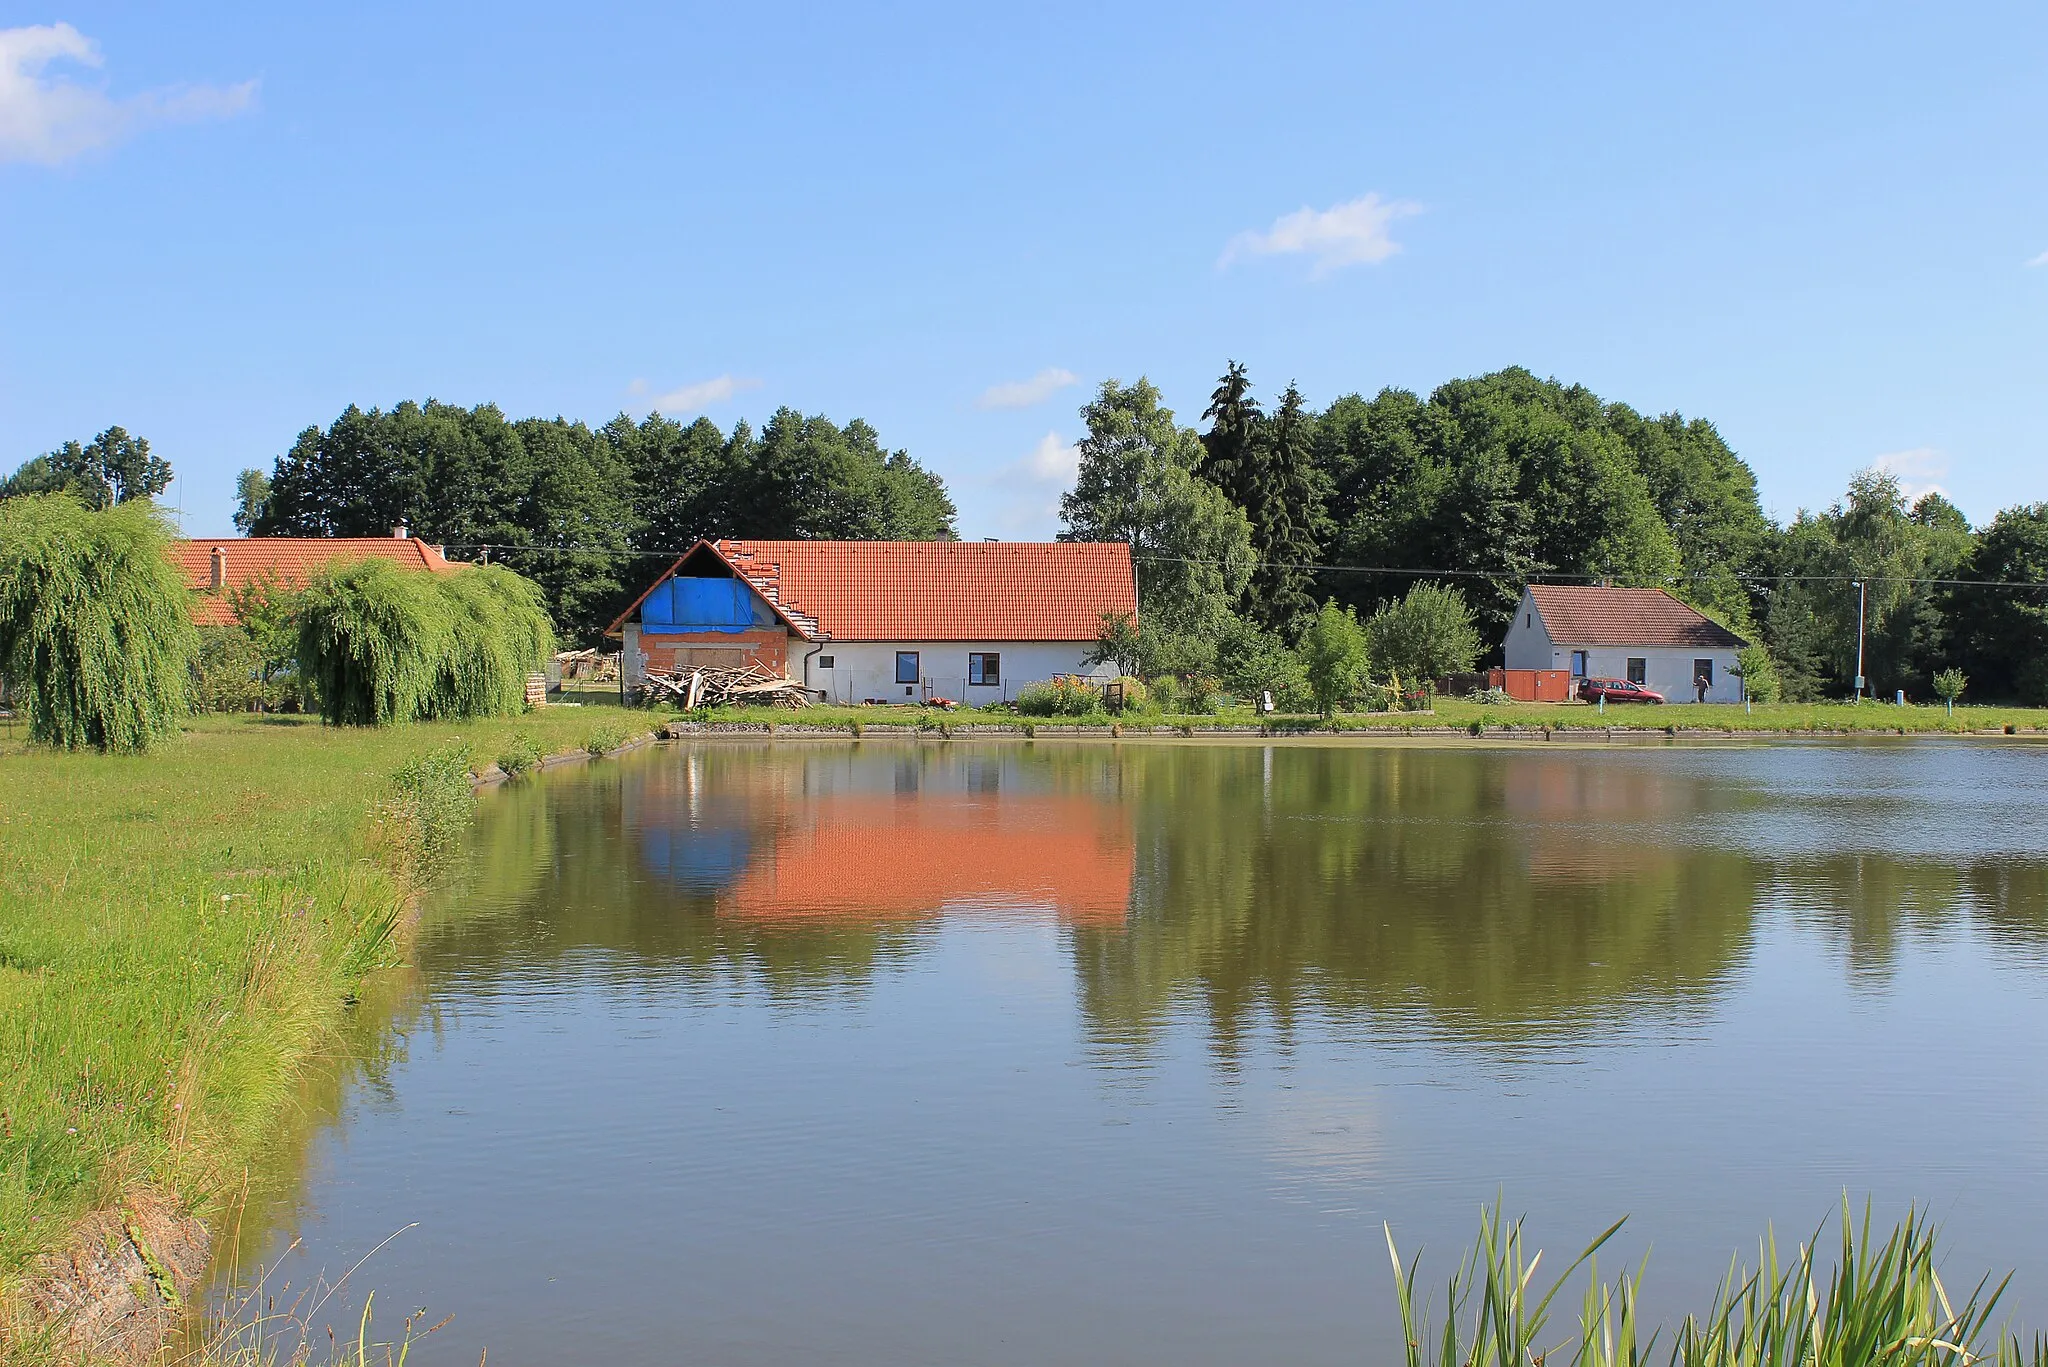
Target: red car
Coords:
[(1617, 690)]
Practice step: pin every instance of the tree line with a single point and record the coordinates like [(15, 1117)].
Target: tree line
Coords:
[(1244, 528), (590, 514)]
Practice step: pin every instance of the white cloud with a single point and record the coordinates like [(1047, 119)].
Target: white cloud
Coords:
[(691, 398), (1025, 393), (50, 119), (1919, 471), (1054, 458), (1032, 484), (1348, 234), (2041, 260)]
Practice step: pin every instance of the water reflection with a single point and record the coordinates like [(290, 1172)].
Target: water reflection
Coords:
[(977, 1052), (1511, 896)]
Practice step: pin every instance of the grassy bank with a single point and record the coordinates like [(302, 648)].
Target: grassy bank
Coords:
[(178, 930), (1459, 713)]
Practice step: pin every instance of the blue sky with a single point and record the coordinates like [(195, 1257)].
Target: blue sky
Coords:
[(224, 223)]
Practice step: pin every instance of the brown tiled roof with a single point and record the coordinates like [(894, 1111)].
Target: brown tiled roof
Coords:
[(1585, 615), (937, 590), (288, 559)]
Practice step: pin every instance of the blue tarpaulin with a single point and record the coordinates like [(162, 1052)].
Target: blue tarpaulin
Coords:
[(699, 605)]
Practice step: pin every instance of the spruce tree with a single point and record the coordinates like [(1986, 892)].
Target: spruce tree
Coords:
[(1266, 466), (1288, 520), (1229, 455)]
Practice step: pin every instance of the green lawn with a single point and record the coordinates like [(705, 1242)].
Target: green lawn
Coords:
[(177, 931)]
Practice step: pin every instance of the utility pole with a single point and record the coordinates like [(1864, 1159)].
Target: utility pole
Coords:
[(1862, 598)]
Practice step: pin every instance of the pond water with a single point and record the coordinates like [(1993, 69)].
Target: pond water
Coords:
[(1078, 1053)]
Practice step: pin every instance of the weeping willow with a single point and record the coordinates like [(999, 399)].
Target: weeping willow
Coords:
[(96, 634), (381, 645)]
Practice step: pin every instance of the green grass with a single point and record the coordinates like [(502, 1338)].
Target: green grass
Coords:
[(179, 930), (1880, 1304)]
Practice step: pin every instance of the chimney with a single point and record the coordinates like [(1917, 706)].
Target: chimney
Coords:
[(401, 532), (219, 578)]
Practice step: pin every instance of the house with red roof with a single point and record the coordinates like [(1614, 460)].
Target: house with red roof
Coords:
[(887, 621), (216, 566), (1646, 636)]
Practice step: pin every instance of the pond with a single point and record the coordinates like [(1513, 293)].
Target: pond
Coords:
[(898, 1053)]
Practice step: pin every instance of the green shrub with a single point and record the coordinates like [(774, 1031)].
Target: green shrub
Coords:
[(604, 739), (1200, 695), (434, 798), (1426, 635), (1759, 675), (379, 644), (1065, 696), (227, 673), (1333, 656), (96, 638), (521, 753)]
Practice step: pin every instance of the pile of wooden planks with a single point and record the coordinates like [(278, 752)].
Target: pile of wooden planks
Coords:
[(588, 664), (747, 687)]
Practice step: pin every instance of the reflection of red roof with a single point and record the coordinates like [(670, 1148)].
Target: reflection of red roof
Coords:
[(942, 590), (288, 559), (1587, 615), (883, 859)]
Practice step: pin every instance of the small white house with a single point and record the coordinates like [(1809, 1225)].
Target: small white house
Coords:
[(882, 621), (1643, 635)]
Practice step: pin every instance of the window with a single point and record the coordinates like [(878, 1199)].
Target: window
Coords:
[(1578, 664), (824, 662), (1638, 669), (1703, 669), (1529, 620), (985, 668), (906, 666)]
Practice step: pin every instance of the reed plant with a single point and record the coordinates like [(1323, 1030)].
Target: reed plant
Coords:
[(96, 636), (1881, 1304)]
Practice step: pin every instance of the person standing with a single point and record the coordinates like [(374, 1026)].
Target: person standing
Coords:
[(1700, 686)]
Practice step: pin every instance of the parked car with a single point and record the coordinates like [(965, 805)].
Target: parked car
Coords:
[(1617, 690)]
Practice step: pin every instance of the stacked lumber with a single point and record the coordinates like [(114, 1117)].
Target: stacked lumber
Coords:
[(588, 664), (750, 686)]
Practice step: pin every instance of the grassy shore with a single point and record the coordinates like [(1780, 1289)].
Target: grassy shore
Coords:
[(179, 931), (1458, 713)]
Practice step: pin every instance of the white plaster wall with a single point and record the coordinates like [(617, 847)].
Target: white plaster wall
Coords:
[(867, 669), (1528, 644), (1667, 671)]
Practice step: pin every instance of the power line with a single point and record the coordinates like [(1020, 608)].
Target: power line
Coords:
[(1411, 571)]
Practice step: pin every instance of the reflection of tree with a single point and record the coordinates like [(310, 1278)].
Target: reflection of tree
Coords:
[(1871, 903), (1505, 895)]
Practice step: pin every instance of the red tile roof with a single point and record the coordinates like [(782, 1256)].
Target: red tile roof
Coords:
[(937, 590), (1586, 615), (288, 559)]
